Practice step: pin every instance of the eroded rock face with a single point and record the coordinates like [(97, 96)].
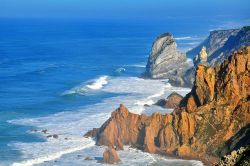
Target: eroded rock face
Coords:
[(213, 112), (226, 82), (201, 57), (110, 156), (165, 61)]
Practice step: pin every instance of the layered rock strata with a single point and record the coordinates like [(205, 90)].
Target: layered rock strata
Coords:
[(165, 61)]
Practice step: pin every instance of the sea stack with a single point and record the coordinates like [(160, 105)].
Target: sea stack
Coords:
[(165, 61)]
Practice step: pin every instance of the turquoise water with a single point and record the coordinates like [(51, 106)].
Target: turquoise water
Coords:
[(53, 72)]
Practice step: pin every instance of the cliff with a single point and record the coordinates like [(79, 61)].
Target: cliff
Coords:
[(165, 61), (213, 42), (219, 45), (208, 118)]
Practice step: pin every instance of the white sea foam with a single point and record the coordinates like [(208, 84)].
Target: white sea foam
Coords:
[(138, 65), (136, 92), (99, 83), (121, 69), (87, 86), (128, 156), (55, 155)]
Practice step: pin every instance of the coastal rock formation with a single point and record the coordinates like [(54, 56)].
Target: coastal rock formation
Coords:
[(213, 42), (165, 61), (201, 58), (110, 156), (217, 108), (172, 101), (219, 46)]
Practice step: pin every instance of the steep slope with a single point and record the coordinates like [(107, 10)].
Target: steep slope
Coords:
[(165, 61), (216, 48), (217, 108), (213, 42), (220, 44)]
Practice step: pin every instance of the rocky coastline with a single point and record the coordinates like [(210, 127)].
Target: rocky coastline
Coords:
[(214, 113)]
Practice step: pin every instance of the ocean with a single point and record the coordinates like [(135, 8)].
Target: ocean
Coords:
[(67, 76)]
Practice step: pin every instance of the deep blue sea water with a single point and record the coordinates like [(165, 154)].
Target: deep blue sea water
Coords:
[(55, 72)]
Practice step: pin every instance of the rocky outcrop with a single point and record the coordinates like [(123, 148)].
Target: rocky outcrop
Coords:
[(217, 108), (165, 61), (215, 41), (201, 58), (226, 82), (172, 101), (110, 156), (219, 46)]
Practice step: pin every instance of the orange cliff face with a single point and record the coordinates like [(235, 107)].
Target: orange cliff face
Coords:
[(213, 112), (227, 83)]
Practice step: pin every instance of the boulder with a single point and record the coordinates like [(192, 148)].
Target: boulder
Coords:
[(110, 156), (173, 100)]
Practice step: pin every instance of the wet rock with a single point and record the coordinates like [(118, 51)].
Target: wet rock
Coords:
[(88, 158), (45, 131), (110, 156), (53, 136)]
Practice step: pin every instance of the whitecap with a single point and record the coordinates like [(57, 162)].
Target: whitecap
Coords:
[(99, 83), (119, 70), (90, 85)]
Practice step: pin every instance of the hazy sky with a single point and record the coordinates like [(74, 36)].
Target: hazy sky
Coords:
[(128, 9)]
